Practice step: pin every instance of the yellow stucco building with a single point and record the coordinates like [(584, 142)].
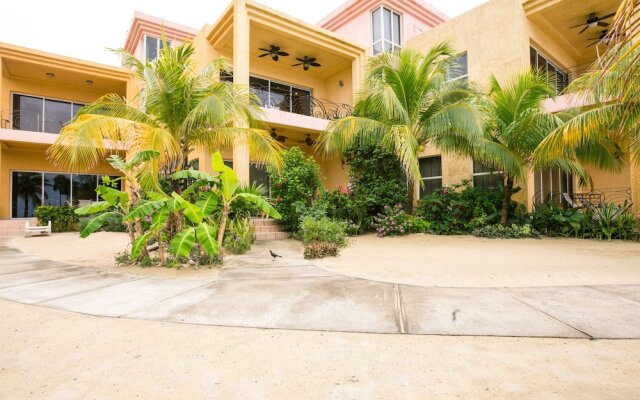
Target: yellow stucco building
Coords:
[(40, 92)]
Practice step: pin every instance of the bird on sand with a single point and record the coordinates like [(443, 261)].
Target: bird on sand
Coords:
[(274, 255)]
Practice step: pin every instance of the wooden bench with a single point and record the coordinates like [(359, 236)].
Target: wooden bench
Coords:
[(37, 230)]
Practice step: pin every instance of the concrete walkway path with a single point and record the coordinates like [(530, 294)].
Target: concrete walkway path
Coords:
[(291, 293)]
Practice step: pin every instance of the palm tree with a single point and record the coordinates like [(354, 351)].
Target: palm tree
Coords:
[(517, 124), (613, 85), (177, 110), (407, 102)]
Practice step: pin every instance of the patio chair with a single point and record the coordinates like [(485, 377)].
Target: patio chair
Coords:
[(30, 230)]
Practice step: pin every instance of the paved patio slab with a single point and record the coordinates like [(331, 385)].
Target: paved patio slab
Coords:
[(23, 265), (123, 298), (41, 274), (477, 312), (598, 313)]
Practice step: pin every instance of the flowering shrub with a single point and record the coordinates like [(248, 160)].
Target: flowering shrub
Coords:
[(393, 221)]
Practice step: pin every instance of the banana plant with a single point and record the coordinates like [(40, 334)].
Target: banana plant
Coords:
[(118, 202), (228, 191)]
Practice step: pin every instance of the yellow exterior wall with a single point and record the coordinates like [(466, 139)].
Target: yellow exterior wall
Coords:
[(31, 159)]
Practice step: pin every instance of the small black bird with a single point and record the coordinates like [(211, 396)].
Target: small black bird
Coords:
[(274, 255)]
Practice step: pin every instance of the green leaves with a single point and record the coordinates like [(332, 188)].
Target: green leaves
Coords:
[(145, 209), (206, 235), (228, 178), (183, 242), (262, 203), (93, 208), (113, 196), (208, 203), (193, 174), (96, 224), (189, 209)]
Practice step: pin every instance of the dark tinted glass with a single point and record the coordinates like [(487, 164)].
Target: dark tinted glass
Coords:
[(56, 114), (151, 45), (301, 101), (27, 113), (260, 87), (26, 193), (57, 189), (258, 175), (430, 186), (430, 167), (84, 188), (281, 96)]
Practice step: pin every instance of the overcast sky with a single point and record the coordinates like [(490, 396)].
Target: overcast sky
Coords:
[(84, 29)]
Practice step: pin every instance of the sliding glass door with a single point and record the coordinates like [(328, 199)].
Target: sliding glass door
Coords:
[(38, 114)]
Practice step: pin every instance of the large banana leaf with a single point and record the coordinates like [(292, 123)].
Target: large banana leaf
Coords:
[(145, 209), (193, 174), (96, 223), (183, 242), (190, 210), (137, 245), (113, 196), (143, 156), (93, 208), (206, 235), (261, 203), (228, 178), (208, 202)]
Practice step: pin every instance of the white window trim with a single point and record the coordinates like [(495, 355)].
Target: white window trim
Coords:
[(382, 39), (72, 102), (474, 174)]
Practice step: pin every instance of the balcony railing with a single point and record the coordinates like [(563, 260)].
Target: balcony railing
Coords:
[(301, 102), (30, 121)]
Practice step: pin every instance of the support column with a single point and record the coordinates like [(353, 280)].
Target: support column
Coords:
[(635, 188), (241, 77)]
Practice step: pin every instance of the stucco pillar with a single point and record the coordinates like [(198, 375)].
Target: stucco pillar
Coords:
[(635, 188), (241, 77), (357, 70)]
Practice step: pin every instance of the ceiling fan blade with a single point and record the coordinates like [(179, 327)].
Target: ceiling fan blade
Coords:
[(583, 29), (311, 60), (275, 49), (315, 64), (300, 59), (607, 16), (282, 53), (577, 26), (600, 23), (267, 50), (295, 65), (264, 55)]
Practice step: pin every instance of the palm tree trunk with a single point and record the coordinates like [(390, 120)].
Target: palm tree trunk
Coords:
[(506, 202), (411, 186)]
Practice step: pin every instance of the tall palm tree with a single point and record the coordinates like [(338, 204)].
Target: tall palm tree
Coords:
[(407, 102), (613, 85), (516, 126), (176, 110)]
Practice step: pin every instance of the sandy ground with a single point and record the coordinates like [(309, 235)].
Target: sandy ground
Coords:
[(51, 354), (467, 261), (98, 250)]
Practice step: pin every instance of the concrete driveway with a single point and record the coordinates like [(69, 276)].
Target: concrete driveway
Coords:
[(292, 293)]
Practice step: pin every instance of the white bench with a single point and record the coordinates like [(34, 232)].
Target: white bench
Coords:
[(37, 230)]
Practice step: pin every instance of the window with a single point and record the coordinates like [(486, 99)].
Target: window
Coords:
[(257, 174), (39, 114), (550, 184), (32, 189), (152, 47), (431, 172), (560, 78), (486, 177), (460, 70), (386, 30)]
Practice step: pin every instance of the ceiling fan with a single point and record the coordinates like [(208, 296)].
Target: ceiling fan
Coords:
[(601, 38), (593, 20), (277, 137), (309, 142), (307, 62), (274, 52)]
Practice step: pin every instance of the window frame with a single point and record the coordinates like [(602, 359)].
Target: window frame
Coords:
[(555, 65), (466, 75), (484, 173), (43, 98), (435, 177), (42, 190), (394, 45), (158, 42)]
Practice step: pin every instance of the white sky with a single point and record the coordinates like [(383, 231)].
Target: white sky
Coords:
[(84, 29)]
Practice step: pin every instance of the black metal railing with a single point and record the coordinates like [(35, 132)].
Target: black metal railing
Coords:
[(617, 195), (301, 102)]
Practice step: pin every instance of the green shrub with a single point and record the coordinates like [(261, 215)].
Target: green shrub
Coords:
[(393, 221), (609, 221), (294, 186), (506, 232), (63, 219), (376, 180), (419, 225), (321, 250), (553, 220), (238, 237), (459, 209), (323, 230), (113, 223), (243, 208)]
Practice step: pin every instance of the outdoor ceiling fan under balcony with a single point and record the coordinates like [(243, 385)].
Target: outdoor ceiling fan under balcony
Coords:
[(307, 62), (277, 137), (603, 37), (275, 52), (592, 21), (308, 141)]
